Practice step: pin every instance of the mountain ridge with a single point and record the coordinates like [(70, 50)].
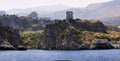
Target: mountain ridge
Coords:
[(92, 11), (102, 11)]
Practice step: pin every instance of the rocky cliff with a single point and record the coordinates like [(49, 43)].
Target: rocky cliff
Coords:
[(9, 38), (69, 34)]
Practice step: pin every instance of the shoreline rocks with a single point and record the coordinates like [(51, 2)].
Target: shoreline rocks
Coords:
[(21, 48), (6, 47)]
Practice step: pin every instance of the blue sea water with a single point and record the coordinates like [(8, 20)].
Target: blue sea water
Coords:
[(61, 55)]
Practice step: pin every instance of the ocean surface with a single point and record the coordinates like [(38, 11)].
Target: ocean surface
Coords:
[(61, 55)]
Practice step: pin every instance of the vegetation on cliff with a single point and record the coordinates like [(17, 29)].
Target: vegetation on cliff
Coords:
[(31, 38)]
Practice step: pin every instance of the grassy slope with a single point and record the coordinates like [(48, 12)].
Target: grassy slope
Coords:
[(30, 38)]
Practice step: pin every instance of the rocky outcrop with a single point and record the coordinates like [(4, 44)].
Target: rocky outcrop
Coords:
[(67, 35), (101, 44), (9, 38), (89, 25)]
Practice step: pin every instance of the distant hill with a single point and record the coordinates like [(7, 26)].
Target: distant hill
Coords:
[(43, 11), (107, 12), (2, 12), (114, 21), (94, 11), (102, 11)]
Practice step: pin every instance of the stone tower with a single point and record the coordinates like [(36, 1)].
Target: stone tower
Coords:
[(69, 15)]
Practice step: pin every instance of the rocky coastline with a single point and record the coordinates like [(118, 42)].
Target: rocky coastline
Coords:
[(62, 35)]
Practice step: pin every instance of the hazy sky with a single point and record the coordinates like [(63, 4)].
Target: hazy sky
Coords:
[(21, 4)]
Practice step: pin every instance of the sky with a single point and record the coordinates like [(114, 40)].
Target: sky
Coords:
[(22, 4)]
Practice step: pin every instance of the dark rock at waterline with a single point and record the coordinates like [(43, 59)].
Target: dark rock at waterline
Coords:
[(21, 48), (101, 44), (116, 44), (85, 46)]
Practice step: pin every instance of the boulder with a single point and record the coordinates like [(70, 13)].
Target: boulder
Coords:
[(101, 44)]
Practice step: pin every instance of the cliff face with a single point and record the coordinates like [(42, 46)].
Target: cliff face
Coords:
[(52, 32), (9, 38), (67, 35), (69, 39)]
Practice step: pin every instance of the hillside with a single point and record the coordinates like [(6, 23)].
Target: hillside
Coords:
[(114, 21)]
